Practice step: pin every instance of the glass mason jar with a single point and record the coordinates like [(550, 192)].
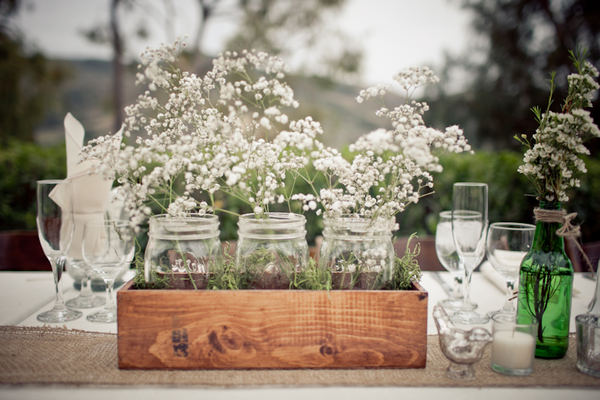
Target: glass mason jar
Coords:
[(182, 250), (271, 248), (545, 287), (358, 250)]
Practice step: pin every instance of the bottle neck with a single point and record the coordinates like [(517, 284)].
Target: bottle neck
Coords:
[(545, 237)]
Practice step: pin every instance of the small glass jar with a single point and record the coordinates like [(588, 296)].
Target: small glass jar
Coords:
[(358, 250), (271, 248), (182, 250)]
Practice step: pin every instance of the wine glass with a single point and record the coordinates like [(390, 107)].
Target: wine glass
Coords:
[(108, 248), (55, 238), (446, 253), (507, 244), (469, 227), (79, 269)]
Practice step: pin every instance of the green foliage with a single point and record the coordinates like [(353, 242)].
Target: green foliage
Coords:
[(228, 276), (313, 277), (27, 88), (139, 281), (525, 39), (508, 190), (21, 165), (511, 196), (406, 268)]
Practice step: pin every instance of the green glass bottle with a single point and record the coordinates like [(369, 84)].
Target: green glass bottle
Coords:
[(545, 287)]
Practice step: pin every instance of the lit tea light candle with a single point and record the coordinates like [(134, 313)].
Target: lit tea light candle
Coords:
[(513, 350)]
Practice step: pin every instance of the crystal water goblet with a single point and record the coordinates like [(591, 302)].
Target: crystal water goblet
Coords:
[(469, 228), (55, 236), (108, 247), (507, 244), (446, 253)]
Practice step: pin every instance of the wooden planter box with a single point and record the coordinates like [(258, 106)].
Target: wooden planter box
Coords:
[(206, 329)]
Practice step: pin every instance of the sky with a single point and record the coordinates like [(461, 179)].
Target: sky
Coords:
[(394, 34)]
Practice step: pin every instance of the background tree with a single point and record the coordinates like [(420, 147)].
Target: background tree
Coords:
[(517, 43), (297, 30), (112, 35), (28, 80)]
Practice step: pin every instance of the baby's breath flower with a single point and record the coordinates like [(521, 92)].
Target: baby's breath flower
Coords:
[(395, 164), (193, 136), (553, 157)]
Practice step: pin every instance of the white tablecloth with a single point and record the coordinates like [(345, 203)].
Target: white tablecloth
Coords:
[(25, 294)]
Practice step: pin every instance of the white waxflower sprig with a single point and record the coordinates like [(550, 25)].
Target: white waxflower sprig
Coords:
[(553, 160), (390, 168)]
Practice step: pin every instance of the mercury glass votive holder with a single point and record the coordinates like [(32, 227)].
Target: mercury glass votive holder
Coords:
[(513, 347), (588, 344)]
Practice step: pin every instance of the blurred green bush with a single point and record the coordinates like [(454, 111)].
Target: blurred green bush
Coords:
[(21, 165), (510, 195)]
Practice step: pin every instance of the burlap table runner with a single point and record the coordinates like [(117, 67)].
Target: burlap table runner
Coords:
[(61, 356)]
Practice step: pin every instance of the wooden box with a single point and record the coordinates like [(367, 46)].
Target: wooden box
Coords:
[(204, 329)]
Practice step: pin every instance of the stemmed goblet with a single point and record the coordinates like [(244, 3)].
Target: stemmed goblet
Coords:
[(507, 244), (55, 238), (469, 228), (446, 253), (108, 247), (79, 269)]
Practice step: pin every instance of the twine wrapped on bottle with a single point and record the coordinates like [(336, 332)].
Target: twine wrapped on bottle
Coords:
[(567, 229)]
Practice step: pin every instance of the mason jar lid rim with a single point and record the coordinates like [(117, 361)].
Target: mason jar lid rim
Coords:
[(192, 216), (358, 217), (273, 217)]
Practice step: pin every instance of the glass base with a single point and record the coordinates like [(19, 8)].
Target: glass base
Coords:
[(460, 371), (106, 316), (84, 302), (512, 371), (59, 315), (589, 370), (469, 318)]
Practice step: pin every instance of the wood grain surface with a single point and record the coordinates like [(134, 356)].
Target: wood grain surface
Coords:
[(186, 329)]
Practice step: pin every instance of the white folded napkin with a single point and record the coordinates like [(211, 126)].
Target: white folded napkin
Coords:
[(84, 195)]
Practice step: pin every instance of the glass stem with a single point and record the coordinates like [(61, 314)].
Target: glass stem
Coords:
[(457, 285), (467, 286), (58, 264), (110, 300), (594, 306), (508, 304), (86, 287)]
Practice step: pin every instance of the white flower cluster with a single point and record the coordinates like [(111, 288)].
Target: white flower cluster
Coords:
[(554, 160), (192, 136), (188, 137), (390, 168)]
